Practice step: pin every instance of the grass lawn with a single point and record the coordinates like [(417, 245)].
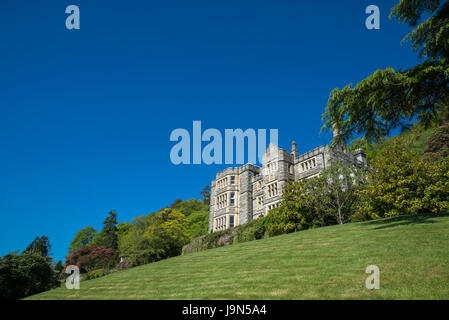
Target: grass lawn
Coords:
[(327, 263)]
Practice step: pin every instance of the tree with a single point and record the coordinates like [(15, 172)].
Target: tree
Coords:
[(197, 216), (206, 195), (82, 238), (59, 266), (24, 275), (402, 183), (167, 232), (336, 191), (122, 229), (390, 99), (155, 236), (108, 235), (323, 200), (40, 245)]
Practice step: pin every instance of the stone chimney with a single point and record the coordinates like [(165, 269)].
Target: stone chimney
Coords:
[(294, 149), (360, 156)]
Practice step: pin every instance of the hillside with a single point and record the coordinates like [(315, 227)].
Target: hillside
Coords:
[(412, 253)]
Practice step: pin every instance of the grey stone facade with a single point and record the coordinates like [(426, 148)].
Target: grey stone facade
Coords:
[(239, 195)]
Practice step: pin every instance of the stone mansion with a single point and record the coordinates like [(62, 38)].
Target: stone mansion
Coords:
[(239, 195)]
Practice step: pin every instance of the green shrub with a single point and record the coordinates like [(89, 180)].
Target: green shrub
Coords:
[(402, 183), (95, 274), (219, 238), (253, 230), (22, 275)]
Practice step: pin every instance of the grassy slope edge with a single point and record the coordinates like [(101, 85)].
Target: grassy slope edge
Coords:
[(412, 253)]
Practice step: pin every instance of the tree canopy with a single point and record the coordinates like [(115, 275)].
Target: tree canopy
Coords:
[(40, 245), (82, 238), (390, 99)]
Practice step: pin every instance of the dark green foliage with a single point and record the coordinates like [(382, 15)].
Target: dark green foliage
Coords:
[(254, 230), (431, 37), (390, 99), (59, 266), (25, 274), (206, 195), (383, 101), (109, 231), (212, 240), (40, 245)]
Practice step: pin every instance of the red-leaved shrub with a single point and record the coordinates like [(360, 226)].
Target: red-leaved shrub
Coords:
[(92, 258)]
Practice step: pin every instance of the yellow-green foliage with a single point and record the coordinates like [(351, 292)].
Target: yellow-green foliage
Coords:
[(95, 274), (403, 183), (154, 237), (197, 216)]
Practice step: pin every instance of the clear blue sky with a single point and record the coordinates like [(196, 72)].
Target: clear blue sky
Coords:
[(85, 115)]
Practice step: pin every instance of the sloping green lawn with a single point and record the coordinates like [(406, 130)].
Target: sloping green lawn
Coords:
[(327, 263)]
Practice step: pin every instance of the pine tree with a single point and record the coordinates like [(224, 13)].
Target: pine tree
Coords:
[(110, 231)]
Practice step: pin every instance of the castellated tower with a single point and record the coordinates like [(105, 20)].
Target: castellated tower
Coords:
[(239, 195)]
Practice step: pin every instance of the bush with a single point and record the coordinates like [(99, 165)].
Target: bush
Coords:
[(220, 238), (253, 230), (24, 275), (402, 184), (95, 274), (92, 258)]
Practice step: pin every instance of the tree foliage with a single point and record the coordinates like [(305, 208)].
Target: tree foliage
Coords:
[(24, 275), (107, 238), (40, 245), (82, 238), (197, 216), (153, 237), (402, 183), (390, 99), (206, 195), (59, 266), (323, 200)]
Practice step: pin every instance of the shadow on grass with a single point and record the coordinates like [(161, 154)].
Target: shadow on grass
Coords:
[(405, 220)]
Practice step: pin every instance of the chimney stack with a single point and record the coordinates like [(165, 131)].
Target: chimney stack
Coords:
[(294, 149)]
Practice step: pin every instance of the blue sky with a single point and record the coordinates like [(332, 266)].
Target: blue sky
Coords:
[(86, 115)]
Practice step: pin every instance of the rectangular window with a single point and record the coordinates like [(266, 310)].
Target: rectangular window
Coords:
[(231, 221), (232, 179)]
